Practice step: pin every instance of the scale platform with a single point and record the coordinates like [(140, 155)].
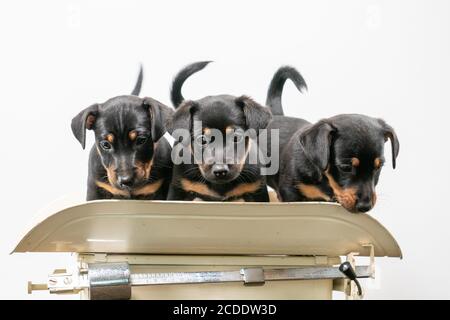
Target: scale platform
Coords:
[(205, 250)]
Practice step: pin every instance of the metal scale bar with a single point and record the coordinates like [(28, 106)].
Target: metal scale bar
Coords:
[(114, 280), (246, 275)]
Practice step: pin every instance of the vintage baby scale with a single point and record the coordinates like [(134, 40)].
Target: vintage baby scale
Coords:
[(127, 249)]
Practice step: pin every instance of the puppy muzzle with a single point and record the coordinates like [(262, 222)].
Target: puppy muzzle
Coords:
[(125, 181)]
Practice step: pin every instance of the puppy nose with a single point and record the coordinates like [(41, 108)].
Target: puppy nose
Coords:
[(363, 206), (220, 170), (125, 180)]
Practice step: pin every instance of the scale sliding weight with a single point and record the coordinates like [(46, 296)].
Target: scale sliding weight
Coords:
[(207, 250)]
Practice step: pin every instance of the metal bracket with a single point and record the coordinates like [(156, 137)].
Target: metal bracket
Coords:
[(61, 281), (372, 259), (109, 281), (253, 276), (350, 289)]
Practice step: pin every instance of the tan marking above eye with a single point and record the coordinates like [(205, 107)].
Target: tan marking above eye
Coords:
[(229, 130), (132, 135), (355, 162), (206, 131), (110, 137), (377, 163)]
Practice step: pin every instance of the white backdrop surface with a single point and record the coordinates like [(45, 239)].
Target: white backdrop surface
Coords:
[(387, 59)]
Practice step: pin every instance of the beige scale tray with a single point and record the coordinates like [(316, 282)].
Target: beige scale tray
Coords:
[(166, 236)]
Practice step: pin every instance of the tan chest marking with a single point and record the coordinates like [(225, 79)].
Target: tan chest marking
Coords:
[(312, 192), (199, 188), (111, 189), (148, 188), (145, 190), (243, 188), (204, 190)]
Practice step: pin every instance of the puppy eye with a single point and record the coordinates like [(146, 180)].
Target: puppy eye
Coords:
[(105, 145), (140, 140), (345, 168), (238, 137)]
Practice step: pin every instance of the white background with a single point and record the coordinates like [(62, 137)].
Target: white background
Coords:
[(387, 59)]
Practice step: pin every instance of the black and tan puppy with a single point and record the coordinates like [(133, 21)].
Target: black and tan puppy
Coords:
[(216, 147), (336, 159), (130, 159)]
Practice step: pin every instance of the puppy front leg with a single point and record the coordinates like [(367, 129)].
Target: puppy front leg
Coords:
[(178, 194), (92, 193), (163, 192), (95, 193), (289, 193), (262, 195), (95, 172)]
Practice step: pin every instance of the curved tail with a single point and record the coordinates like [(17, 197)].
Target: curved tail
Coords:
[(175, 92), (138, 85), (276, 87)]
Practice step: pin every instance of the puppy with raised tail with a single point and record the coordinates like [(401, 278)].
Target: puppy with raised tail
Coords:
[(214, 129), (336, 159), (129, 159)]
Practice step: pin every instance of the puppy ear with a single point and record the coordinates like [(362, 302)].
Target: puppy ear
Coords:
[(160, 116), (257, 116), (182, 118), (84, 120), (390, 134), (316, 143)]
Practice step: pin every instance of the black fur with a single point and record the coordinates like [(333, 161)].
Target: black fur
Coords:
[(312, 154), (275, 91), (219, 113), (137, 87), (175, 92), (120, 167)]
